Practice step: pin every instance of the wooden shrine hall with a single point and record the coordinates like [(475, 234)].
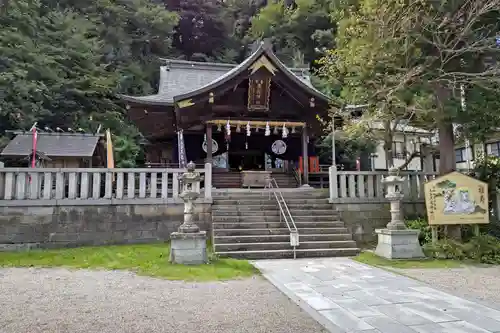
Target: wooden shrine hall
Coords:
[(255, 117)]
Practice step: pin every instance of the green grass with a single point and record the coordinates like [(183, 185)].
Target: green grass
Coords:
[(372, 259), (144, 259)]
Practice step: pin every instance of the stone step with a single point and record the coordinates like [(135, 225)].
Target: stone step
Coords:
[(280, 238), (283, 246), (274, 225), (237, 194), (266, 200), (271, 205), (265, 196), (275, 212), (277, 231), (274, 218), (300, 253), (267, 206)]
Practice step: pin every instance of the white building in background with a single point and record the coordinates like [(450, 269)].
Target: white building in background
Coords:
[(406, 140), (463, 153)]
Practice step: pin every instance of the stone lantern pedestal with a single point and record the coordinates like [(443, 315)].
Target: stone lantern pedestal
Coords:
[(396, 241), (189, 244)]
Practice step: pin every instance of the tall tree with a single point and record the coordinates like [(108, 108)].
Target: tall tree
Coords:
[(408, 60), (303, 25), (134, 34), (61, 64), (201, 33), (50, 67)]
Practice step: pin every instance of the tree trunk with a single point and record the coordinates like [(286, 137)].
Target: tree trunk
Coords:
[(388, 138), (447, 164), (446, 148)]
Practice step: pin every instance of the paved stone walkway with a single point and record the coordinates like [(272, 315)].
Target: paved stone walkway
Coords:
[(346, 296)]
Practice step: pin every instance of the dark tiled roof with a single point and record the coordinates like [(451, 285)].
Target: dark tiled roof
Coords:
[(53, 144), (180, 77)]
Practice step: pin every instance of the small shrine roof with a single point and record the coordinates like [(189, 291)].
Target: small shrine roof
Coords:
[(180, 79), (52, 144)]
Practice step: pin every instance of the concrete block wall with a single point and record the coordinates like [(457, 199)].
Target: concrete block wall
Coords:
[(77, 225)]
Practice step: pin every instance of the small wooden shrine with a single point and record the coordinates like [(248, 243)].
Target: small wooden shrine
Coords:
[(55, 149), (258, 115)]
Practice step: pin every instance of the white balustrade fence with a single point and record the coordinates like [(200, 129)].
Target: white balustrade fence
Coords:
[(367, 185), (96, 184)]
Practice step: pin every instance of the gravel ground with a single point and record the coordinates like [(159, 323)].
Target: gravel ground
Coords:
[(60, 300), (481, 283)]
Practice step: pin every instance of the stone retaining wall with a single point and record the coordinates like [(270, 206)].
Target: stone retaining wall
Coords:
[(362, 218), (75, 225)]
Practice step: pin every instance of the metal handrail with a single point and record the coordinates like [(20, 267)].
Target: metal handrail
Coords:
[(297, 175), (285, 212)]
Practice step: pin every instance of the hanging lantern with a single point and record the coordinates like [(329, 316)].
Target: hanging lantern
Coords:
[(284, 131), (268, 130), (219, 128), (246, 145), (228, 128), (293, 130), (238, 128), (275, 130), (248, 129)]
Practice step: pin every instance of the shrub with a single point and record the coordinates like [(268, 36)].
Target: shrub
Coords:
[(480, 249), (421, 224)]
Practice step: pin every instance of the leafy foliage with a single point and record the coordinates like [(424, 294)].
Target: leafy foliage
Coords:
[(487, 169), (481, 249), (62, 64), (421, 224), (347, 151), (484, 248), (299, 31)]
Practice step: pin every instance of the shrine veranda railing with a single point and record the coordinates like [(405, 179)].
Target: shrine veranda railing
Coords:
[(358, 186), (91, 186)]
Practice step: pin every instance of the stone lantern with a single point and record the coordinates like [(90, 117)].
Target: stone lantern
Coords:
[(189, 194), (396, 241), (188, 245)]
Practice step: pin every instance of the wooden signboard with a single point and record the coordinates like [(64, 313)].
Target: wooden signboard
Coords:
[(259, 90), (456, 199)]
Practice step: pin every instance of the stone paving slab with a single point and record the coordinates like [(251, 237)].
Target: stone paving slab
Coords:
[(349, 297)]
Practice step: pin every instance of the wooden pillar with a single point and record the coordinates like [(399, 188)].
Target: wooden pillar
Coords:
[(305, 156), (209, 143)]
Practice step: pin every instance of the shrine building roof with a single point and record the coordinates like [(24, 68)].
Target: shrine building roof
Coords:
[(180, 79)]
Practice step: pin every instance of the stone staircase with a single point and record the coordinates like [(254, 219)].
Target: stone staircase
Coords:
[(227, 179), (246, 224), (285, 180), (232, 179)]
